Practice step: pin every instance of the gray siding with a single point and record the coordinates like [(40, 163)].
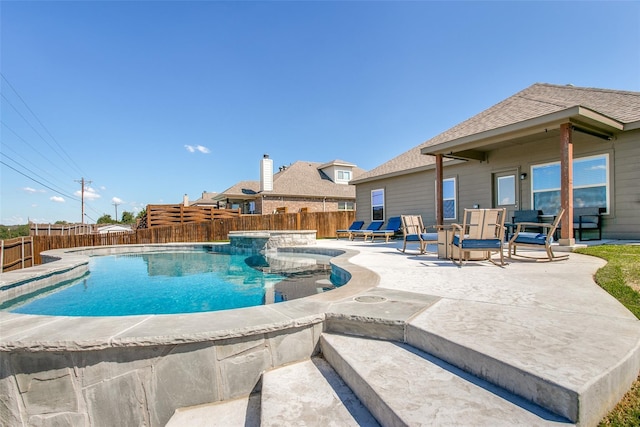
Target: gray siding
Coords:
[(415, 193)]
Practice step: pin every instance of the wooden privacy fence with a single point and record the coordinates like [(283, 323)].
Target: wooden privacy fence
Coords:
[(61, 229), (159, 215), (325, 224), (16, 253)]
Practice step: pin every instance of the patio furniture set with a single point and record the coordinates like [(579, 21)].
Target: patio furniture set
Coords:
[(482, 233)]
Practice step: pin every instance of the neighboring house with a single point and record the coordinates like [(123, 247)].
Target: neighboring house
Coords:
[(207, 200), (546, 147), (301, 186), (114, 228)]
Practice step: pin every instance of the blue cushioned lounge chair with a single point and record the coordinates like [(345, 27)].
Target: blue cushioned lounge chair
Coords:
[(373, 226), (414, 232), (355, 225), (393, 227), (536, 240)]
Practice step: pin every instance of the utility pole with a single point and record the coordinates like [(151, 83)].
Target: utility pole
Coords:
[(116, 205), (83, 183)]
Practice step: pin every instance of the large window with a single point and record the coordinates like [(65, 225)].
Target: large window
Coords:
[(590, 184), (449, 208), (377, 205)]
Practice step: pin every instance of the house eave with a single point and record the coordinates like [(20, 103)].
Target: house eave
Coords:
[(581, 117)]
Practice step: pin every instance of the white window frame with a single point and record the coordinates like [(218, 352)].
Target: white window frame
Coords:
[(454, 198), (377, 205), (606, 182), (346, 205), (343, 175)]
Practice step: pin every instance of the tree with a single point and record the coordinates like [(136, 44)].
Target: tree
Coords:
[(128, 218), (106, 219)]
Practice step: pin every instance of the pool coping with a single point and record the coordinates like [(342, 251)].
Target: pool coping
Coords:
[(36, 333)]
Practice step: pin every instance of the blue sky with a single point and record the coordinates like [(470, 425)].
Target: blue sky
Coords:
[(152, 100)]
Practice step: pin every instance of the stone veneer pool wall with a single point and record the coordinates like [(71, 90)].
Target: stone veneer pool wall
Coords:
[(136, 370)]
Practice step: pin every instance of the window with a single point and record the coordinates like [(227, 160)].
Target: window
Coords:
[(346, 206), (377, 205), (449, 208), (590, 184), (506, 190), (344, 175)]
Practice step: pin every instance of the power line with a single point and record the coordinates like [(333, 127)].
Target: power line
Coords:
[(43, 126), (35, 180), (29, 170), (33, 148)]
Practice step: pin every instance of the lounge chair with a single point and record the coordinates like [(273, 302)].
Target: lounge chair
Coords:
[(393, 227), (367, 232), (536, 240), (531, 216), (355, 225), (482, 230), (413, 231)]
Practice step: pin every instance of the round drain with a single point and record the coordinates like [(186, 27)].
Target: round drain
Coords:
[(370, 299)]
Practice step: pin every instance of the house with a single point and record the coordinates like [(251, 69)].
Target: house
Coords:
[(207, 200), (546, 147), (301, 186)]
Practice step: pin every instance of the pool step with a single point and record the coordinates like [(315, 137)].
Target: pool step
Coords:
[(403, 386), (310, 393), (243, 412)]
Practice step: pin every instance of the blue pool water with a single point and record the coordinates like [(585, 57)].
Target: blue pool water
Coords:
[(181, 282)]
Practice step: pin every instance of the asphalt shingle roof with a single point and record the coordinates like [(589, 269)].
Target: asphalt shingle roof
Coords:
[(299, 179), (537, 100)]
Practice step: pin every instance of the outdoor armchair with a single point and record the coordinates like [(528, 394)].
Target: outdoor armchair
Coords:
[(482, 230), (414, 231), (529, 239)]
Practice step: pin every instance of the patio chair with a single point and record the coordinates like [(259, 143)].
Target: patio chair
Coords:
[(531, 215), (536, 240), (355, 225), (414, 231), (373, 226), (482, 230), (393, 227)]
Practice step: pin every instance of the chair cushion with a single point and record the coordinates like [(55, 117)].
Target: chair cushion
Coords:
[(477, 243), (429, 236), (531, 238)]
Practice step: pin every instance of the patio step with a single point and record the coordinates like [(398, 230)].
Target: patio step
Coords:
[(243, 412), (310, 393), (403, 386)]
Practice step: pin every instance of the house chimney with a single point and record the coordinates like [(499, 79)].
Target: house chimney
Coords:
[(266, 173), (185, 200)]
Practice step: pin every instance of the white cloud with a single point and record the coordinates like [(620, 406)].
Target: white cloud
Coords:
[(31, 190), (57, 199), (89, 194), (194, 148), (116, 200)]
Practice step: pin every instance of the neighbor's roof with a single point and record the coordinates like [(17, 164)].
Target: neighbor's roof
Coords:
[(298, 179), (538, 100)]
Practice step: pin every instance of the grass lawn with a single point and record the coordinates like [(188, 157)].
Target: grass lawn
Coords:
[(621, 278)]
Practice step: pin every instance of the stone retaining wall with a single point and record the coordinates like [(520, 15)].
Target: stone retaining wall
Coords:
[(136, 386)]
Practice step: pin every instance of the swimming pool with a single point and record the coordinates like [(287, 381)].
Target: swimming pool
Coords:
[(183, 281)]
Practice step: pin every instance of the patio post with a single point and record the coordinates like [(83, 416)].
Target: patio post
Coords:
[(439, 195), (566, 184)]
